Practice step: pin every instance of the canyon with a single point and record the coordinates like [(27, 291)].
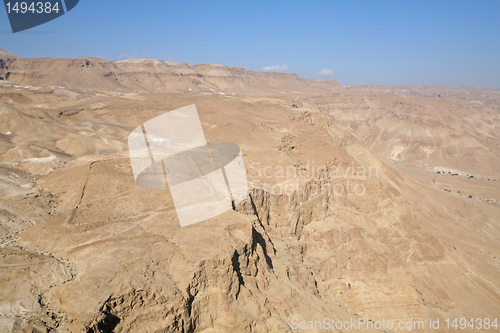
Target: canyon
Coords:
[(84, 249)]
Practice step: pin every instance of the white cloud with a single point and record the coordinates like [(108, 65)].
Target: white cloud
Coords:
[(276, 68), (326, 72), (124, 56)]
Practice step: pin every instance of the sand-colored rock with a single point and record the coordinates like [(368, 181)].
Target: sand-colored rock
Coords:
[(84, 249)]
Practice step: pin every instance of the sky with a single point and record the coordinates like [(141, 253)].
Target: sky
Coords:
[(439, 42)]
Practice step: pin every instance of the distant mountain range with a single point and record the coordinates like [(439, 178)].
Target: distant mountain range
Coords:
[(150, 75), (155, 76)]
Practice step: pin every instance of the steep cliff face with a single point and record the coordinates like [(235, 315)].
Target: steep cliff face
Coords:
[(6, 59), (223, 294), (84, 73), (307, 259), (379, 258), (253, 287)]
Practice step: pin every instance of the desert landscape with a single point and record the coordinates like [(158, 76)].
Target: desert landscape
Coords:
[(365, 201)]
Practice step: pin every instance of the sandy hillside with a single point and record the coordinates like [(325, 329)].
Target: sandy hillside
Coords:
[(393, 214)]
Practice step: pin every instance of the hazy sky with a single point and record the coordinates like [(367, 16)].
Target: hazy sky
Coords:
[(376, 42)]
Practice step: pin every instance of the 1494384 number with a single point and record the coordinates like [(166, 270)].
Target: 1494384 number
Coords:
[(471, 324), (33, 7)]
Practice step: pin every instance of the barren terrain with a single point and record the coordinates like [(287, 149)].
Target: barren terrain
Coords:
[(84, 249)]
